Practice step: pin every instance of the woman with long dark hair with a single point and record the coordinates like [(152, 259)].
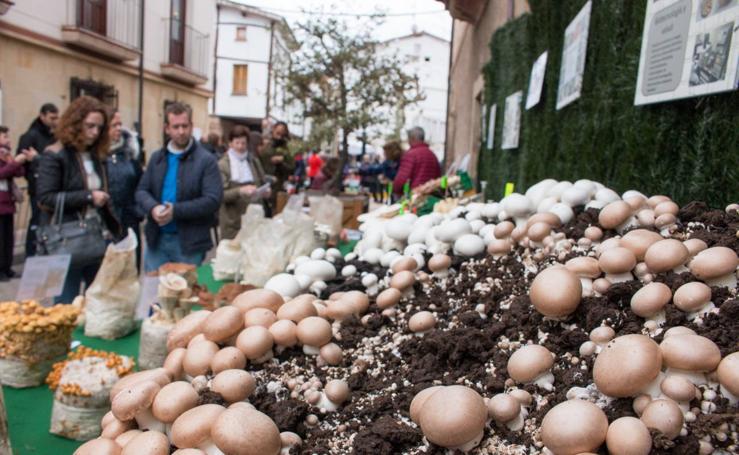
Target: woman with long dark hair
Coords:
[(75, 167)]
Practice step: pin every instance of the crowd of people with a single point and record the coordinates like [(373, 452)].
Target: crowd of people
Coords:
[(84, 167)]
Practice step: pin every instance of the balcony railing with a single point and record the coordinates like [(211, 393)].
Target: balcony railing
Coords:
[(186, 53), (109, 27)]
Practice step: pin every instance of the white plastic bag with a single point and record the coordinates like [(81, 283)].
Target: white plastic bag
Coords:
[(110, 302), (329, 211)]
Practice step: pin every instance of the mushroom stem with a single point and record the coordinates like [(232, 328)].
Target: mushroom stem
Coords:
[(209, 447), (660, 318), (311, 350), (516, 424), (587, 286), (653, 388), (619, 277), (325, 403), (727, 281), (545, 381), (702, 311), (692, 376), (733, 399), (146, 421)]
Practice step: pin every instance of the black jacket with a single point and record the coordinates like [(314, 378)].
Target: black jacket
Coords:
[(124, 173), (62, 171), (199, 195), (38, 136)]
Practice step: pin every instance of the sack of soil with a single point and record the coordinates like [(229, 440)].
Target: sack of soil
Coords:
[(110, 302)]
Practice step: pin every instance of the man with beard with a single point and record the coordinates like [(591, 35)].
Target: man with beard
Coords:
[(276, 159)]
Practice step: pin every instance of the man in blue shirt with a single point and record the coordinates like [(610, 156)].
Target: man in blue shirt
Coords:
[(180, 192)]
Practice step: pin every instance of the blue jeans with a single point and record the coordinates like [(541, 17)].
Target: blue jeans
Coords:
[(75, 277), (168, 250)]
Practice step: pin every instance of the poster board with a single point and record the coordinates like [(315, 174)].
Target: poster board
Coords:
[(43, 277), (689, 48), (512, 121), (573, 57), (536, 81), (491, 127)]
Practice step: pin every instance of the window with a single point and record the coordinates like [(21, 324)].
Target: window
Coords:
[(240, 77), (91, 15), (241, 33)]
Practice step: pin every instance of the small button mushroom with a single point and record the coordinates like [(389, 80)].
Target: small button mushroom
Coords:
[(503, 229), (149, 443), (284, 333), (500, 247), (313, 333), (439, 264), (593, 233), (601, 286), (695, 246), (348, 270), (287, 285), (256, 343), (665, 255), (227, 358), (586, 268), (627, 365), (340, 309), (678, 330), (728, 376), (538, 231), (640, 403), (422, 322), (388, 298), (645, 217), (289, 441), (469, 245), (126, 437), (616, 215), (258, 298), (602, 335), (419, 400), (233, 385), (236, 429), (574, 426), (522, 396), (259, 316), (135, 402), (678, 388), (690, 353), (186, 329), (665, 223), (298, 308), (628, 436), (198, 357), (173, 363), (99, 446), (174, 399), (453, 417), (617, 263), (532, 363), (506, 409), (664, 416), (666, 206), (404, 263), (117, 427), (650, 300), (223, 323), (638, 241), (556, 292), (192, 429), (716, 266), (357, 300), (158, 375), (332, 354), (692, 297), (403, 281), (337, 391)]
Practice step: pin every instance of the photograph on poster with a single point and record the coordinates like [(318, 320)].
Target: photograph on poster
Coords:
[(573, 58), (711, 55), (708, 8), (491, 127), (536, 82), (512, 121)]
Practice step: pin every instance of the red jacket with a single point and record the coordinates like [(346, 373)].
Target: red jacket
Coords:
[(7, 172), (418, 165)]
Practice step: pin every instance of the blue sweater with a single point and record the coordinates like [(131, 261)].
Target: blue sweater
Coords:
[(169, 188)]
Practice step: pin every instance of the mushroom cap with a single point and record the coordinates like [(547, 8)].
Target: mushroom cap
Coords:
[(419, 400), (174, 399), (728, 373), (189, 451), (601, 285), (695, 246), (614, 214), (690, 352), (665, 220), (223, 323), (666, 207), (147, 443), (173, 363), (198, 357), (593, 233), (666, 255), (439, 262), (584, 267), (129, 401), (233, 385), (284, 333), (186, 329), (258, 298), (290, 439), (665, 416), (547, 217), (602, 334), (422, 321), (539, 230), (452, 416), (628, 436), (574, 426), (314, 331), (337, 390), (227, 358), (500, 246), (556, 292), (192, 428), (243, 431), (116, 428), (627, 365), (332, 354), (388, 298), (714, 262), (617, 260), (649, 300), (255, 342), (503, 408), (522, 396), (529, 362), (503, 229), (640, 403), (678, 330), (260, 316), (158, 375), (678, 388), (125, 438), (298, 308), (402, 280), (639, 241), (692, 296), (404, 263), (99, 446), (340, 309), (358, 300)]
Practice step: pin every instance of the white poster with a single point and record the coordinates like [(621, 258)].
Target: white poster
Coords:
[(491, 127), (689, 48), (573, 58), (512, 121), (43, 277), (536, 82)]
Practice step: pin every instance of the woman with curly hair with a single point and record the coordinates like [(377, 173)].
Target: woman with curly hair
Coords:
[(75, 167)]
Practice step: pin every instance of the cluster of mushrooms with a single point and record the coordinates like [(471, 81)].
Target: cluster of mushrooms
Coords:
[(672, 374)]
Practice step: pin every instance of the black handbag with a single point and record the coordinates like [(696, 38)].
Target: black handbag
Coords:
[(82, 239)]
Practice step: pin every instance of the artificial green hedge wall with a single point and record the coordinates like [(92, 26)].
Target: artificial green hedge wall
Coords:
[(687, 149)]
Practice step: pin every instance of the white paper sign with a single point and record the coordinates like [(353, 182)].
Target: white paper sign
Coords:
[(573, 58), (536, 82), (43, 277), (689, 48), (491, 127), (512, 121)]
